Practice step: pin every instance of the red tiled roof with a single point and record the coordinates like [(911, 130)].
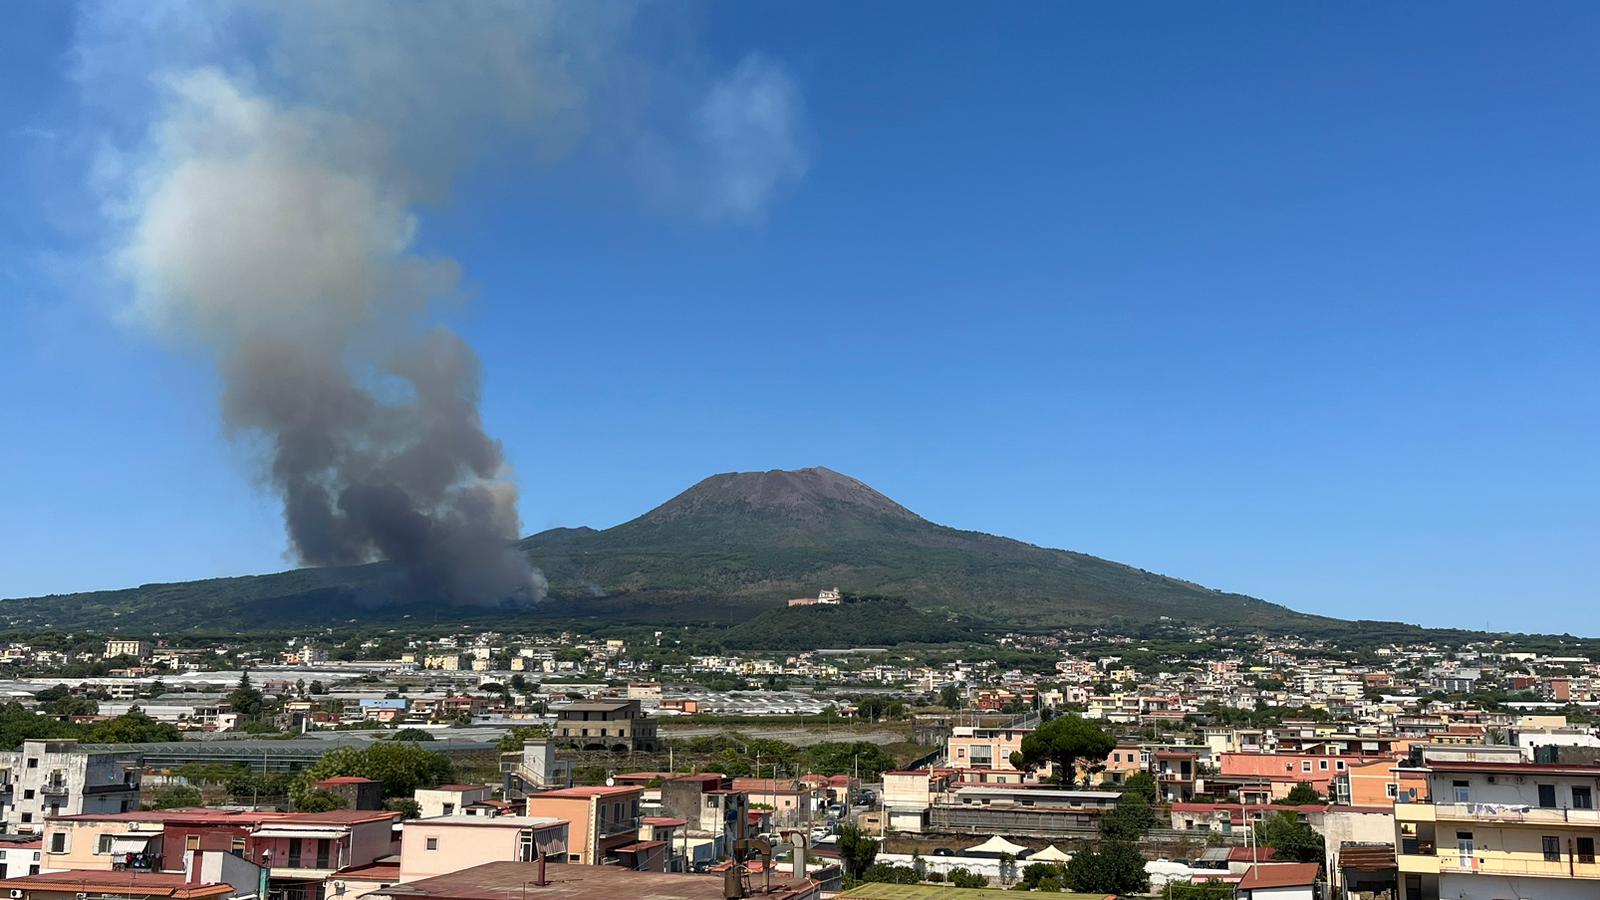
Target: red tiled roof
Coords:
[(152, 884), (1279, 875), (347, 779)]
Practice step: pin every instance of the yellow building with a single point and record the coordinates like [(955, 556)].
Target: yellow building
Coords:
[(1501, 829)]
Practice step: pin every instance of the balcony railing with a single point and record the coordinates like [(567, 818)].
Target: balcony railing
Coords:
[(1532, 815), (54, 787), (1522, 864), (609, 827)]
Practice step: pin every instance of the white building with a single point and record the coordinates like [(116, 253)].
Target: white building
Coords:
[(59, 778)]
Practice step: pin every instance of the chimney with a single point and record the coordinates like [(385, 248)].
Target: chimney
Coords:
[(540, 880)]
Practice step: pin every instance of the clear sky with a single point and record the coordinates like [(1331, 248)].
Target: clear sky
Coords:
[(1296, 300)]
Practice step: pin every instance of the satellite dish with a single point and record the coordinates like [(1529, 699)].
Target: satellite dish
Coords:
[(611, 781)]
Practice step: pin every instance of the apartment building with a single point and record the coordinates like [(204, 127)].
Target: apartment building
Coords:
[(970, 747), (1500, 829), (60, 778), (618, 725), (303, 851), (444, 844), (602, 821), (123, 647)]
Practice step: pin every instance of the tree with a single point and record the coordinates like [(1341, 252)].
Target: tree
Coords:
[(1285, 832), (317, 687), (883, 873), (405, 806), (245, 699), (1198, 890), (513, 740), (1115, 867), (950, 697), (962, 878), (1062, 744), (412, 734), (856, 851), (176, 796), (1302, 794), (1143, 784), (402, 767), (1036, 875), (320, 801), (1131, 819)]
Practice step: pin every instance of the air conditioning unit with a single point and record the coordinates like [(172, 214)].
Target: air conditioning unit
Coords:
[(16, 894)]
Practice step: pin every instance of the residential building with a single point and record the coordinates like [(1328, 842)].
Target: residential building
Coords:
[(970, 747), (1279, 881), (59, 778), (439, 845), (1019, 809), (601, 820), (1177, 774), (536, 767), (19, 855), (713, 809), (302, 851), (448, 799), (355, 791), (1500, 829), (115, 647), (618, 725)]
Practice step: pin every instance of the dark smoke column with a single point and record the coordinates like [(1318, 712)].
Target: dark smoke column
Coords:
[(270, 238)]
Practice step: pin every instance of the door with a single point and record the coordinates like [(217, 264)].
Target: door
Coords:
[(1464, 849)]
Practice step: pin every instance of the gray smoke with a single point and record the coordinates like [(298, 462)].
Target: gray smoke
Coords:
[(270, 218), (289, 259)]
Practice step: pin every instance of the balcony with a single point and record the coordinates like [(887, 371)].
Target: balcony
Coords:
[(1501, 814), (54, 788), (1514, 863)]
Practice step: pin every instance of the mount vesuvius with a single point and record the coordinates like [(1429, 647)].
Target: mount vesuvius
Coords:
[(728, 548)]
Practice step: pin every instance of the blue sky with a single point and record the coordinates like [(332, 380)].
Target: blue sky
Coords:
[(1298, 301)]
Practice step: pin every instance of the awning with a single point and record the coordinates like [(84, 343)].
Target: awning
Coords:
[(310, 834), (1050, 854), (131, 843), (998, 845)]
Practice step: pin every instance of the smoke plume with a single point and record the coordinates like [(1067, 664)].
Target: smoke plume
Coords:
[(270, 217)]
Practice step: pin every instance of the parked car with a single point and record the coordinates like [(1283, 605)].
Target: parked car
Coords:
[(943, 851)]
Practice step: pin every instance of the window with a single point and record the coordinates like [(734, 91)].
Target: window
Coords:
[(33, 763), (1586, 850), (237, 849), (27, 794), (433, 843), (1391, 790), (449, 809), (27, 817), (1339, 764), (1552, 848), (1547, 796), (1305, 765), (1322, 764), (191, 842), (1582, 798), (1461, 791), (58, 842), (294, 853), (104, 844)]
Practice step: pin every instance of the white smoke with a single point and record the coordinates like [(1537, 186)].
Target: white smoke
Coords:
[(270, 217)]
